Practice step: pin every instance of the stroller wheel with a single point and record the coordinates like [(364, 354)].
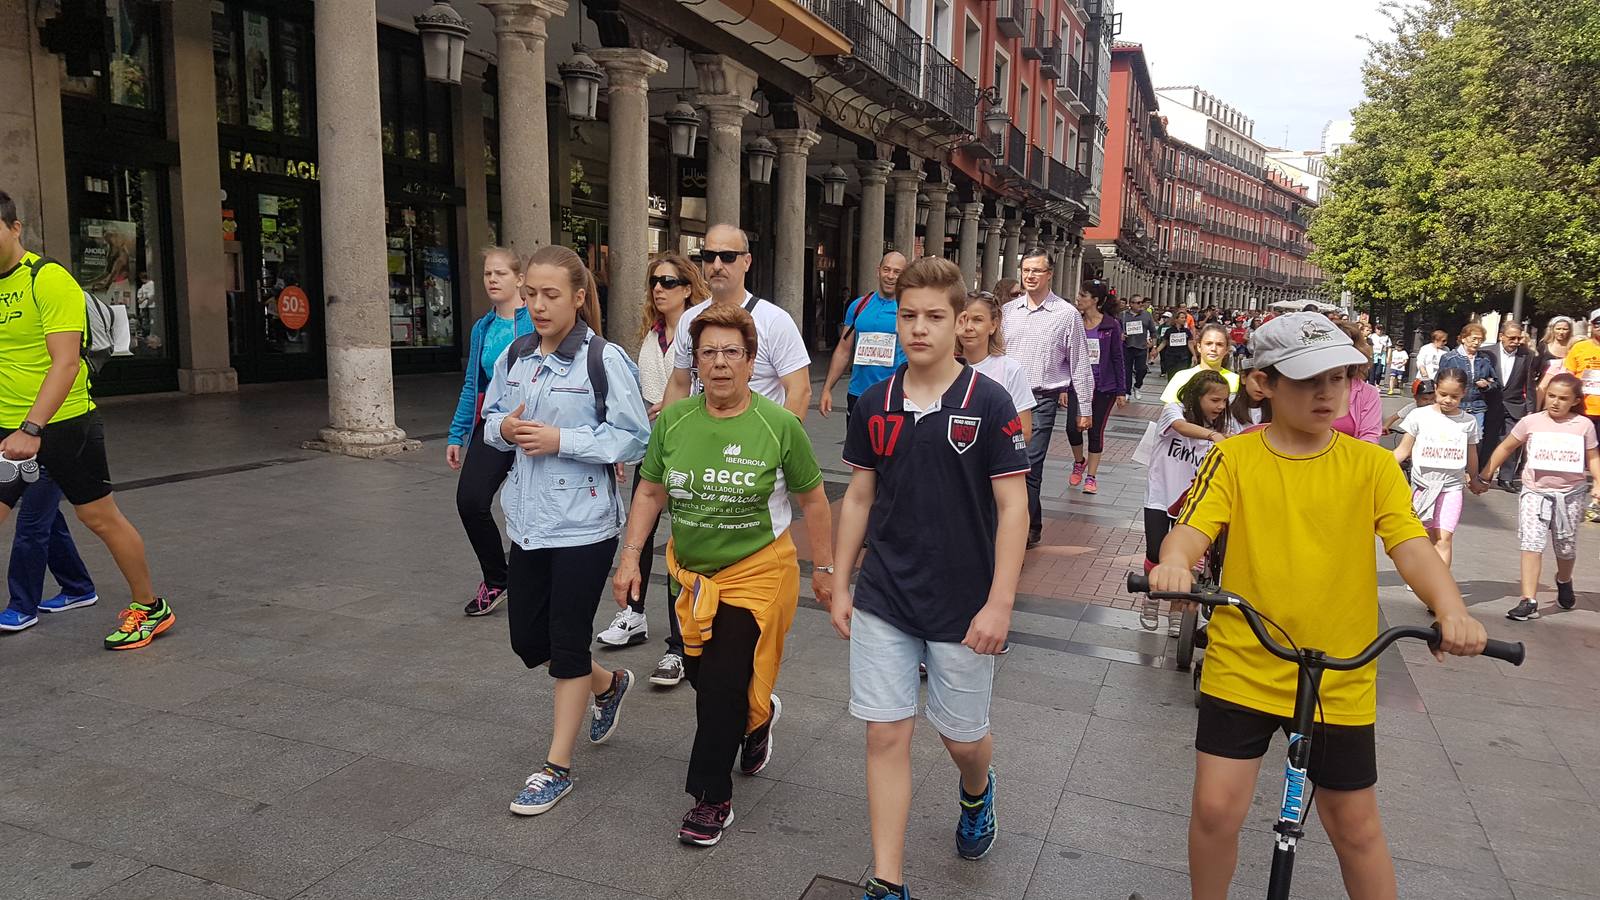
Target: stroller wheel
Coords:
[(1186, 629)]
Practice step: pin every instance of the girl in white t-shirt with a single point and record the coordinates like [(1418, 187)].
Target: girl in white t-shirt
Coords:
[(983, 346), (1399, 360), (1184, 434), (1442, 443)]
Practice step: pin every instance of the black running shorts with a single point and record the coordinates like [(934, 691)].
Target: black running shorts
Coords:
[(73, 451), (1343, 757)]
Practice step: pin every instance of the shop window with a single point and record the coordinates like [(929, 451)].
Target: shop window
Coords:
[(422, 293), (491, 133), (262, 65), (117, 248), (292, 40), (415, 112), (132, 77)]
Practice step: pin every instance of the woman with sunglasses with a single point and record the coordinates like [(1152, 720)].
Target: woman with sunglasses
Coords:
[(483, 468), (674, 285)]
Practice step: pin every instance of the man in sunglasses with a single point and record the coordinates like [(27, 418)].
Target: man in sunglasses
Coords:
[(869, 337), (782, 371)]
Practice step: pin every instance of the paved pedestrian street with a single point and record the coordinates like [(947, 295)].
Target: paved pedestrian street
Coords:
[(323, 722)]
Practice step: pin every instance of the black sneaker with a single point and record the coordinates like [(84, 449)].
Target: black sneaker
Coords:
[(756, 751), (1566, 597), (1034, 538), (485, 601), (1523, 611), (704, 825), (669, 671)]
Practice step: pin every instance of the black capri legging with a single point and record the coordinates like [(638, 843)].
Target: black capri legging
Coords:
[(1097, 423)]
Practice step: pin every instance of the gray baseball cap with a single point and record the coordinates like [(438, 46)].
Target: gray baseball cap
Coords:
[(1303, 345)]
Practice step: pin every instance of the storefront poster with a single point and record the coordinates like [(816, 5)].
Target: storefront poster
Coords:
[(107, 248), (257, 72), (436, 262)]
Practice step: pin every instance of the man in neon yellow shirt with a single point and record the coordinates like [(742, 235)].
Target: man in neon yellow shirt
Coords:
[(46, 415)]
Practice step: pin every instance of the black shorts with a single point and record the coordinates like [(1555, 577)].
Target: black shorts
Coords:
[(1343, 757), (73, 451), (553, 595)]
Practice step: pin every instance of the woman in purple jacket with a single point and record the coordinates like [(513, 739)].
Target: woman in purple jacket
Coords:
[(1104, 332)]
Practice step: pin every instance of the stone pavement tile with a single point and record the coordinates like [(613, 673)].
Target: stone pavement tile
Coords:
[(375, 793), (1566, 864), (10, 834), (1042, 625), (1463, 705), (1134, 638), (1438, 839), (229, 760), (1523, 891), (837, 761), (654, 792), (399, 869), (53, 718), (1067, 873), (419, 679), (937, 872), (531, 884), (1067, 667), (69, 655), (45, 868), (1170, 706), (1431, 882), (302, 714), (476, 748), (1558, 695), (156, 883), (269, 853), (1406, 724), (477, 821), (217, 648), (1120, 830), (1494, 770), (1591, 780), (324, 629), (1025, 806), (165, 685), (1521, 742), (116, 807), (1502, 810), (1575, 735), (1480, 680), (654, 862), (793, 835), (1127, 762)]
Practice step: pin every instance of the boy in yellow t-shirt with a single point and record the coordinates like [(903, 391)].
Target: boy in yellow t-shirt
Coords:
[(1301, 505)]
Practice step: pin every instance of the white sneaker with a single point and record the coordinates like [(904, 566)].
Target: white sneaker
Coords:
[(627, 629)]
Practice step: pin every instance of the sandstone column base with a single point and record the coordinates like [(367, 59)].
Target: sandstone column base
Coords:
[(208, 381), (362, 444)]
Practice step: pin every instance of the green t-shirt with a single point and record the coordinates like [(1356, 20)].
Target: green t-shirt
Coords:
[(728, 480), (29, 310)]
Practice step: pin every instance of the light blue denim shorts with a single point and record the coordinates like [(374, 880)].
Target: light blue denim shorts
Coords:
[(884, 680)]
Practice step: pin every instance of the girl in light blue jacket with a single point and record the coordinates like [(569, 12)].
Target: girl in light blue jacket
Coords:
[(570, 416)]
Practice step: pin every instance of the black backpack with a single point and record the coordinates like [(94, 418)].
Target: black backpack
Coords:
[(599, 381)]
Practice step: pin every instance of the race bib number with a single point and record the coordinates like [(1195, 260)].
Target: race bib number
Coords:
[(1441, 450), (875, 348), (1178, 339), (1556, 452), (1135, 328), (1591, 383), (1094, 353)]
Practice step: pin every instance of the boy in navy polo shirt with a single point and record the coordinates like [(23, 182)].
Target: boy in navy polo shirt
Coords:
[(935, 448)]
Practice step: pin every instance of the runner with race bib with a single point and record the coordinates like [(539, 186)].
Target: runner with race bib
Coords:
[(1442, 443), (867, 342), (1561, 449)]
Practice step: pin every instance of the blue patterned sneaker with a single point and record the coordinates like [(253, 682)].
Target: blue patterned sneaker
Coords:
[(63, 602), (975, 831), (878, 890), (608, 712), (544, 789)]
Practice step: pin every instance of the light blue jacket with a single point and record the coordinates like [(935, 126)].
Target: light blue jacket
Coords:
[(570, 498), (473, 385)]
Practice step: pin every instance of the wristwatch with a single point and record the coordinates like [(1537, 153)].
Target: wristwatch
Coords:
[(30, 429), (828, 569)]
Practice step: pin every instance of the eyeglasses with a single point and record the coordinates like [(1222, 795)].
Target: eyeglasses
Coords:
[(669, 282), (710, 354), (1036, 271), (728, 257)]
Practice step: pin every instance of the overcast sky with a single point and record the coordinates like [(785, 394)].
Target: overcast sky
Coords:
[(1284, 65)]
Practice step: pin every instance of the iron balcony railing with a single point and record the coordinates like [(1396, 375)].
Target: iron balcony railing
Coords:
[(881, 40), (1298, 248), (950, 90), (1298, 216), (1067, 183), (1234, 160), (1015, 162), (1008, 17), (1278, 209), (1183, 257), (1036, 43), (1037, 173), (1053, 62)]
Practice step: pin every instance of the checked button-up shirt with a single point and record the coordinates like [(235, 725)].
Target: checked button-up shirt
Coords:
[(1048, 340)]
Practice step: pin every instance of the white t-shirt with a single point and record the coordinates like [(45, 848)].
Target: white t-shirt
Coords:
[(1398, 357), (1444, 439), (1380, 346), (780, 350), (1009, 374), (1173, 462), (1428, 359)]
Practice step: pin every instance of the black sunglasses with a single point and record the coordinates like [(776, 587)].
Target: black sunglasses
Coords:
[(670, 282), (728, 257)]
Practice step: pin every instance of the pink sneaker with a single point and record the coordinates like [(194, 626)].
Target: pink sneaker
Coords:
[(1077, 473), (1091, 486)]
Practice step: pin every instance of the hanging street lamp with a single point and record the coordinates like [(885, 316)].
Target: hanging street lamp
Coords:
[(760, 154), (580, 81), (444, 41), (833, 182), (683, 127)]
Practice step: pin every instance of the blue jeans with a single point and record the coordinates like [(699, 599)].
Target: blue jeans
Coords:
[(1044, 423), (42, 540)]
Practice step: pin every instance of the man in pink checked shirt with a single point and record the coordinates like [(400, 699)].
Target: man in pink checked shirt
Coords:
[(1045, 334)]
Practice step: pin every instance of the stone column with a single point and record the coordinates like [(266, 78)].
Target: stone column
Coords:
[(628, 74), (970, 213), (355, 281), (520, 28), (1075, 272), (938, 202), (1009, 263), (1052, 251), (905, 183), (200, 271), (991, 251), (874, 178), (789, 236), (725, 89)]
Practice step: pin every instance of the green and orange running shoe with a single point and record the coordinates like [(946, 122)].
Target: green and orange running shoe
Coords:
[(140, 625)]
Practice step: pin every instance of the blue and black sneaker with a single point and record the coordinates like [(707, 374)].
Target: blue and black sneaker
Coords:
[(975, 831), (878, 890), (608, 707)]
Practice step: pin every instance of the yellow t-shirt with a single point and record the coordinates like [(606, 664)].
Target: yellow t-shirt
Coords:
[(1583, 360), (1300, 549), (30, 309)]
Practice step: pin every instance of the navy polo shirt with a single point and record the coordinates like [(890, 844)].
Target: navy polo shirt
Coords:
[(930, 536)]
